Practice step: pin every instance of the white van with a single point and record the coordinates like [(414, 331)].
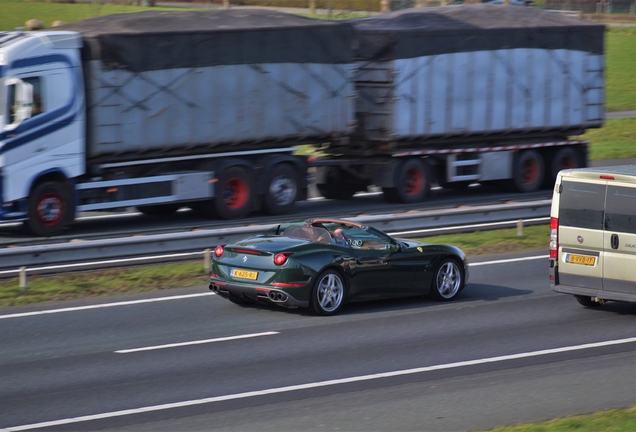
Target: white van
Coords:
[(593, 234)]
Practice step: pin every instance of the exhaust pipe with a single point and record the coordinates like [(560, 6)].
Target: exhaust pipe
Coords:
[(277, 296), (214, 288)]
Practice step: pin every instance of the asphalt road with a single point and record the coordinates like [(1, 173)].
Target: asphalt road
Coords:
[(508, 351)]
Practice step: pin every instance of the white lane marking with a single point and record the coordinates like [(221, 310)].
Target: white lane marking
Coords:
[(199, 342), (105, 305), (318, 384), (510, 260)]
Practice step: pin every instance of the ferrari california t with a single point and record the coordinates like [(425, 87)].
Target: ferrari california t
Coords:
[(321, 264)]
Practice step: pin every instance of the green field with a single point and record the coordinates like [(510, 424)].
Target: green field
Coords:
[(620, 48), (615, 140), (14, 13)]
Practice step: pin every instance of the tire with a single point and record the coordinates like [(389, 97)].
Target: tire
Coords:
[(412, 182), (328, 294), (50, 209), (587, 301), (448, 280), (564, 158), (528, 172), (282, 189), (234, 196), (159, 209)]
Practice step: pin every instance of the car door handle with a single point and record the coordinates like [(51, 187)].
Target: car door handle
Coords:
[(614, 241)]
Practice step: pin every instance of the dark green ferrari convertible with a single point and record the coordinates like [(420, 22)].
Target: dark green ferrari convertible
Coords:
[(321, 264)]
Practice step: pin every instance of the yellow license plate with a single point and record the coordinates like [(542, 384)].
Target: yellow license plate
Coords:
[(580, 259), (244, 274)]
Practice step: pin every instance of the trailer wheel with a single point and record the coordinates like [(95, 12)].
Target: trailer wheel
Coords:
[(282, 189), (528, 171), (235, 193), (412, 180), (564, 158), (50, 209), (159, 209)]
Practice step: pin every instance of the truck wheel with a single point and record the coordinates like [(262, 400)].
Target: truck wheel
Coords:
[(234, 193), (412, 180), (564, 158), (528, 171), (159, 209), (50, 209), (282, 189)]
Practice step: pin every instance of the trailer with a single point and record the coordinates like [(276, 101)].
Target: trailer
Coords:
[(462, 94), (163, 110)]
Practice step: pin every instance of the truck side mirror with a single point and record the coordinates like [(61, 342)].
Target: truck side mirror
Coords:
[(20, 100)]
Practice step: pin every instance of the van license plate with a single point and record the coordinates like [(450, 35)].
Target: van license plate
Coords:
[(244, 274), (580, 259)]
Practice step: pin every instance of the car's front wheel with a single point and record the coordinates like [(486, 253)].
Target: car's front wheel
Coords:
[(328, 294), (448, 280)]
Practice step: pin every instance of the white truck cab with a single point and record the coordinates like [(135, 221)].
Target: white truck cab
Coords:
[(41, 123)]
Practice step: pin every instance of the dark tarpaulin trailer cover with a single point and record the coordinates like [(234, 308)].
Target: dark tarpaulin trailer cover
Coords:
[(157, 40), (451, 29)]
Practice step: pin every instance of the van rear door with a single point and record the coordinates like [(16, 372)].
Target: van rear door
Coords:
[(619, 263), (581, 238)]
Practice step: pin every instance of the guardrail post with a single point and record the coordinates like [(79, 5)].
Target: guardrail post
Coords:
[(632, 8), (520, 228), (206, 261), (23, 280)]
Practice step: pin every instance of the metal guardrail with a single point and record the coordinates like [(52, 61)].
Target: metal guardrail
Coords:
[(190, 245)]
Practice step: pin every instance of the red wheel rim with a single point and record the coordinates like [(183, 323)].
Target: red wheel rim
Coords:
[(530, 172), (414, 182), (236, 193), (50, 209)]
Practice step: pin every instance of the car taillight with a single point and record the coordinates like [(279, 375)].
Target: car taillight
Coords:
[(218, 251), (281, 258), (554, 237)]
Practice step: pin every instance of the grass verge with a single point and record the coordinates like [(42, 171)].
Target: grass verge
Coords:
[(496, 241), (102, 283), (180, 275), (617, 420)]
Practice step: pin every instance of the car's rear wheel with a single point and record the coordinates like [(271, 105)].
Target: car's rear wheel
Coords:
[(448, 280), (328, 294), (587, 301)]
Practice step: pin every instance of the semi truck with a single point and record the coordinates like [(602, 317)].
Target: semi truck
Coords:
[(207, 109)]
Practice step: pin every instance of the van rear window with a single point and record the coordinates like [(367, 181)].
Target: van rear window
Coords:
[(581, 205), (621, 209)]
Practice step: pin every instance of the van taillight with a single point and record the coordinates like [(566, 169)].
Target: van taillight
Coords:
[(554, 237)]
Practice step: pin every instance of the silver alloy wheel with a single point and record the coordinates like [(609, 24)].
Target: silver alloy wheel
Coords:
[(448, 280), (283, 190), (330, 292)]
